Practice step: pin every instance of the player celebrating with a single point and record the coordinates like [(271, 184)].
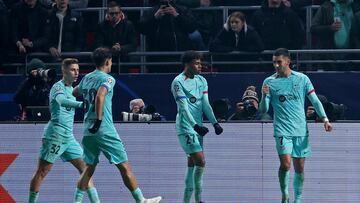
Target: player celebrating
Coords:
[(190, 91), (58, 139), (99, 131), (285, 91)]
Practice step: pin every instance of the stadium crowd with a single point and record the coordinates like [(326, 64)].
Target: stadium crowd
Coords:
[(60, 26)]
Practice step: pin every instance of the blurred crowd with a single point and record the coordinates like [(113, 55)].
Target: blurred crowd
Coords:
[(58, 26)]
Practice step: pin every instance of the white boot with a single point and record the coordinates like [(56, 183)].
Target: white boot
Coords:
[(152, 200)]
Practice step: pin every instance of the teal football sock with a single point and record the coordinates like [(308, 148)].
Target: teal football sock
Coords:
[(284, 177), (198, 176), (189, 185)]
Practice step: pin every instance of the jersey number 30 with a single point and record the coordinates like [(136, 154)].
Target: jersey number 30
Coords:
[(89, 98)]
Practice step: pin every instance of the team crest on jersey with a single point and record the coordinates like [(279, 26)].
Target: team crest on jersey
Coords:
[(282, 98), (57, 88), (192, 99), (176, 88), (109, 80)]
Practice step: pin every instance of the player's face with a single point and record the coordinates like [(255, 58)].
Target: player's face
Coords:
[(236, 24), (71, 73), (195, 66), (281, 63)]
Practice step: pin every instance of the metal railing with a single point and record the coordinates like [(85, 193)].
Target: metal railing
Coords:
[(299, 58)]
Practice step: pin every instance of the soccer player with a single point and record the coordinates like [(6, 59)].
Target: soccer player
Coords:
[(58, 138), (99, 131), (285, 91), (190, 91)]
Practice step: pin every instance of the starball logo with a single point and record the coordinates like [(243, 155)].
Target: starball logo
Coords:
[(283, 98), (5, 161)]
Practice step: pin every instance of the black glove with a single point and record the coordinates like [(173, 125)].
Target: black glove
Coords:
[(201, 130), (218, 128), (95, 127)]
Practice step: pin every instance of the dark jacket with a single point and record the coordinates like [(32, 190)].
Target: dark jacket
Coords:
[(29, 23), (123, 33), (168, 33), (321, 25), (249, 40), (278, 27), (208, 24), (355, 31), (4, 34), (72, 33)]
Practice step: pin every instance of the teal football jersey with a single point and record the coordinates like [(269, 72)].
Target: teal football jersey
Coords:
[(287, 97), (61, 123), (88, 87), (191, 96)]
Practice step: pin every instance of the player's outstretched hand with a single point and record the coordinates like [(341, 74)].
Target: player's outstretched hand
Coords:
[(218, 129), (95, 127), (201, 130), (327, 126)]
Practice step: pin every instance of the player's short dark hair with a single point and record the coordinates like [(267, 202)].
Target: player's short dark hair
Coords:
[(189, 56), (282, 52), (100, 55), (66, 63)]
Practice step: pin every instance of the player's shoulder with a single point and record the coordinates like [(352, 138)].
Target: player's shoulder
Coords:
[(179, 78), (271, 77), (59, 85), (108, 77), (200, 77), (300, 75)]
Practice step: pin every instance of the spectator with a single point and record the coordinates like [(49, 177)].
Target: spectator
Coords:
[(238, 2), (73, 4), (139, 112), (65, 29), (248, 108), (355, 31), (167, 27), (116, 32), (278, 26), (28, 20), (136, 106), (4, 34), (331, 24), (332, 110), (208, 23), (297, 4), (237, 36), (34, 90)]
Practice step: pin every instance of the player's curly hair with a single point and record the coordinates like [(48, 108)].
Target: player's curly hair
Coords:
[(189, 56)]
